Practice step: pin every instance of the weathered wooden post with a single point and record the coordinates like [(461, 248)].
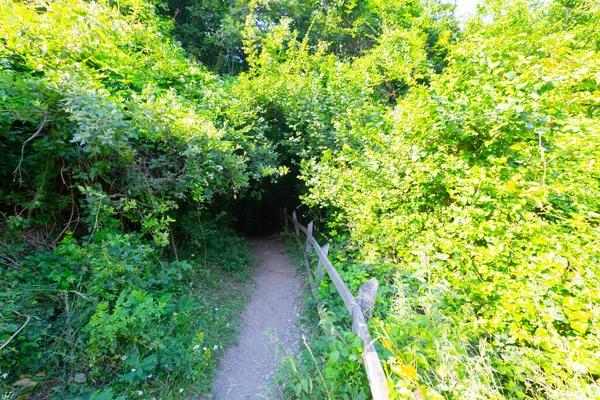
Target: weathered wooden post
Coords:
[(375, 374), (320, 271), (295, 218), (363, 310), (366, 297), (309, 228), (360, 308)]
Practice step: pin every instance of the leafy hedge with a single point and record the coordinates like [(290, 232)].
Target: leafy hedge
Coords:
[(483, 193), (126, 121), (114, 171)]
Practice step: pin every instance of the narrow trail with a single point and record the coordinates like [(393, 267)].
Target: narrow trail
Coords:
[(268, 320)]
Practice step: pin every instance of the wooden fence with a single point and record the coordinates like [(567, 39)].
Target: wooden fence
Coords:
[(360, 308)]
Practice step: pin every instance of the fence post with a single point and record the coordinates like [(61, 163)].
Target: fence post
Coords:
[(366, 297), (320, 272), (309, 228), (375, 374), (295, 218)]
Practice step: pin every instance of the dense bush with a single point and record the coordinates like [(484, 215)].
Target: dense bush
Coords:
[(110, 139), (124, 119), (484, 193)]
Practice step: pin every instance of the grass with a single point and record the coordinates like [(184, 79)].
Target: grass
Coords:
[(326, 366)]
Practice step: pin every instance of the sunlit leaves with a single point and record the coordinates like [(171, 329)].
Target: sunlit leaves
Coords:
[(483, 183)]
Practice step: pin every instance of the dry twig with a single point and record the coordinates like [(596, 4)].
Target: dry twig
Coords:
[(18, 330)]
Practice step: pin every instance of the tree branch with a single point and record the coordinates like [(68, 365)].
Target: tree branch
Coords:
[(18, 169)]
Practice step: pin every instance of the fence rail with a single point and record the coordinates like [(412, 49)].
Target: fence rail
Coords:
[(360, 308)]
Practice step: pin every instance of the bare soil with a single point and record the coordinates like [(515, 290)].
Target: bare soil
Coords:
[(269, 321)]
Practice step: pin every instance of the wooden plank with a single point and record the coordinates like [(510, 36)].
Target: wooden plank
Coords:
[(320, 264), (339, 284), (327, 326), (309, 275), (364, 310), (366, 297), (375, 374)]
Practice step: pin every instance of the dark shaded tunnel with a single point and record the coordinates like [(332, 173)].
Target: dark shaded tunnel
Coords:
[(260, 215)]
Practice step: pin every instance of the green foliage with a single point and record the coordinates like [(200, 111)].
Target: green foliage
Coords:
[(456, 162), (119, 134), (304, 100), (330, 368), (113, 313), (226, 35), (326, 367), (483, 190), (110, 138)]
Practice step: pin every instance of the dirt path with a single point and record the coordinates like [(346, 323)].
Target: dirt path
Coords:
[(271, 312)]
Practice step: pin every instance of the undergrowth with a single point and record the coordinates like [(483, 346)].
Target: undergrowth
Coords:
[(118, 317), (326, 366)]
